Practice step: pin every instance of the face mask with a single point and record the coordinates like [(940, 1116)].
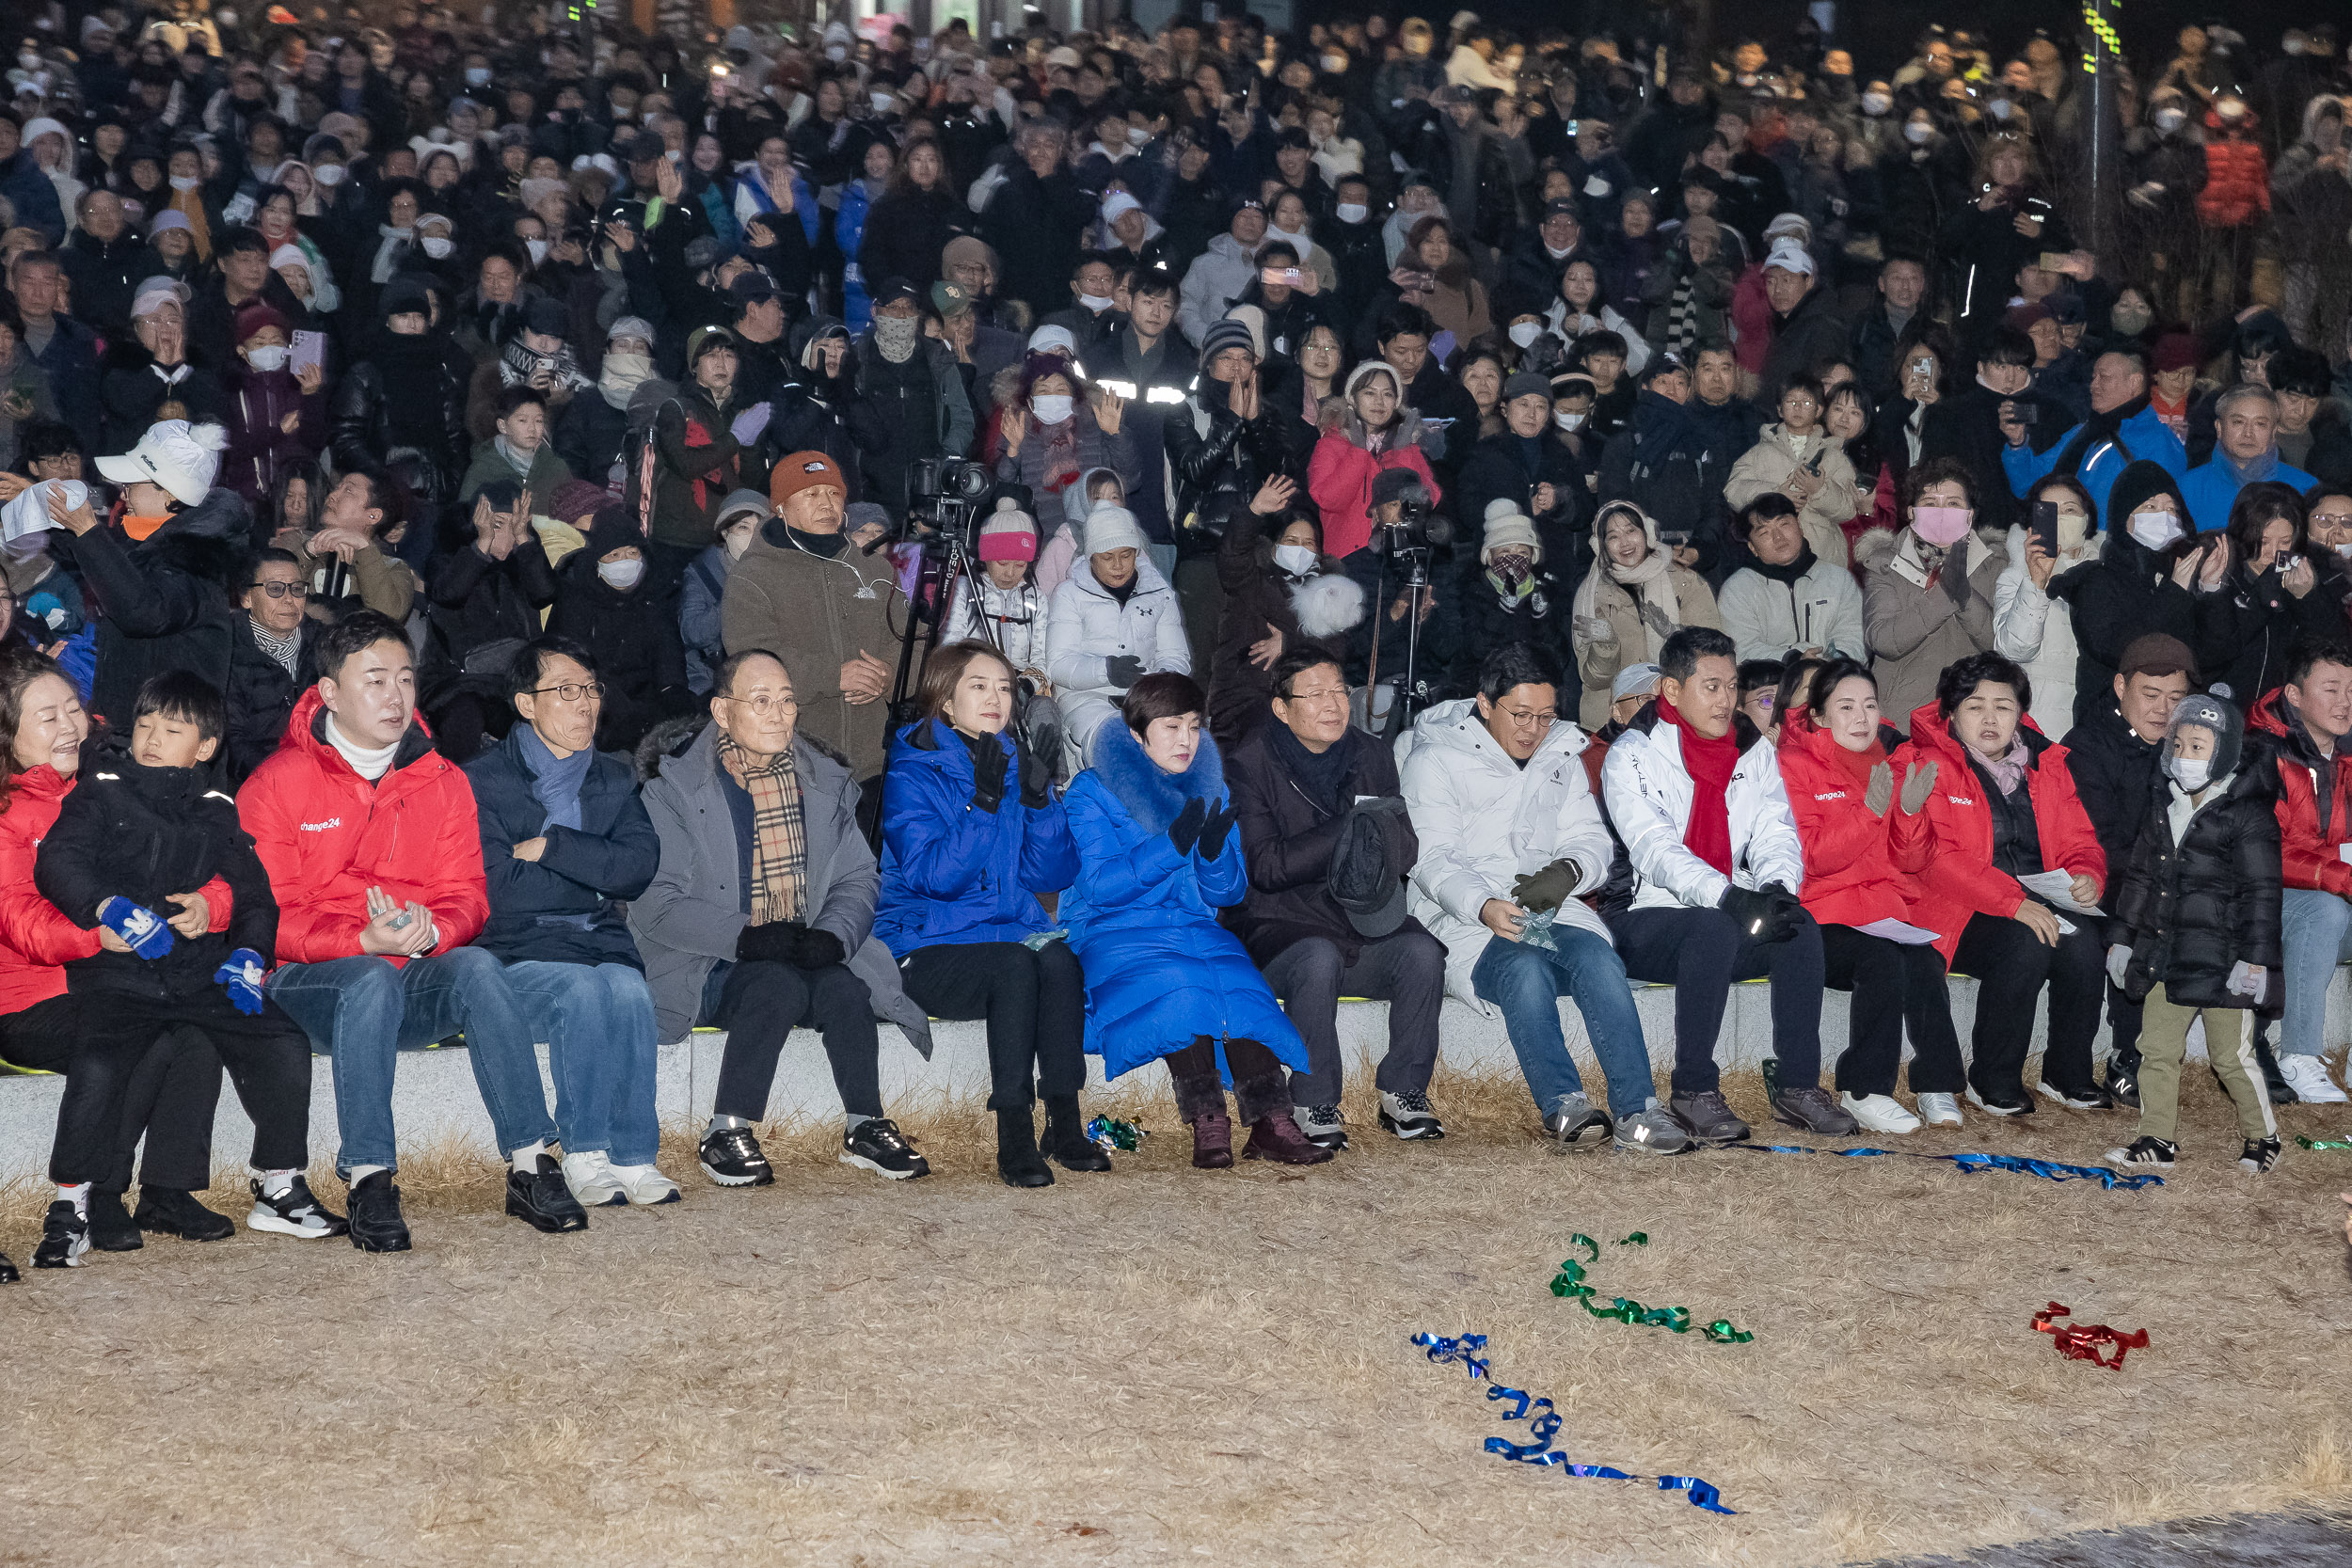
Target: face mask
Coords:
[(621, 574), (619, 113), (1353, 211), (2190, 773), (185, 183), (737, 543), (2232, 112), (895, 336), (29, 58), (1525, 333), (1052, 409), (1096, 303), (1941, 526), (2169, 120), (2001, 108), (882, 101), (2156, 530), (1876, 102), (538, 249), (1298, 560), (2130, 323), (477, 76), (272, 357), (435, 247), (836, 53), (1569, 421), (328, 174), (1918, 136), (1138, 136)]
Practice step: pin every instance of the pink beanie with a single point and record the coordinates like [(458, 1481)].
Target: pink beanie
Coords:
[(1009, 534)]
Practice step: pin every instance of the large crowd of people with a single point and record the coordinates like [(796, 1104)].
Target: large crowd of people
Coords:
[(552, 536)]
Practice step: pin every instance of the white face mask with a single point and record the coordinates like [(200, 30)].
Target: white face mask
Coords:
[(1525, 333), (836, 52), (1876, 102), (2156, 530), (1138, 136), (1096, 303), (185, 183), (2001, 108), (2170, 120), (1052, 409), (1917, 135), (538, 249), (738, 542), (435, 247), (477, 75), (2192, 773), (270, 358), (328, 174), (1569, 421), (1298, 560), (1353, 211), (882, 101), (621, 574)]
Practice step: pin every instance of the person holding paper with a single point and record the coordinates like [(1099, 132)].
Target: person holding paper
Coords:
[(1860, 859), (2004, 808)]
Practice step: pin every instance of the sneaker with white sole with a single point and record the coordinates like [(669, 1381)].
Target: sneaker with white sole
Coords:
[(1652, 1129), (1879, 1113), (1999, 1105), (589, 1175), (1575, 1122), (2308, 1077), (2146, 1150), (64, 1238), (294, 1212), (1322, 1124), (2259, 1155), (2092, 1098), (877, 1144), (643, 1185), (1409, 1116), (1938, 1110)]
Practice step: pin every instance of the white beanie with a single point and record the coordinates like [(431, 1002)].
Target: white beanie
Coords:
[(1507, 525), (288, 256), (1049, 338), (180, 457), (1789, 255), (1113, 528), (1117, 205)]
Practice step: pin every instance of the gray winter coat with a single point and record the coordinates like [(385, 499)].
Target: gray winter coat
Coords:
[(689, 918)]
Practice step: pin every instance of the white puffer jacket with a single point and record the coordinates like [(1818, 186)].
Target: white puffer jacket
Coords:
[(2027, 629), (1015, 617), (1087, 628), (1649, 792), (1484, 822)]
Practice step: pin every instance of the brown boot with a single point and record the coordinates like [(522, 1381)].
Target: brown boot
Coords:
[(1201, 1103), (1275, 1136)]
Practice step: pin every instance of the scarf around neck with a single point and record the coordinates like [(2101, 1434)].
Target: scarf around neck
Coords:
[(555, 782), (2007, 771), (518, 461), (1709, 763), (779, 832), (2095, 431)]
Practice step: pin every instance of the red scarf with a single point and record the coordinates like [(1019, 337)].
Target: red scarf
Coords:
[(1709, 763)]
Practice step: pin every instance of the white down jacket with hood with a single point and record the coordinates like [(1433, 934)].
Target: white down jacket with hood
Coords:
[(1087, 628), (1649, 792), (1484, 821), (1215, 280)]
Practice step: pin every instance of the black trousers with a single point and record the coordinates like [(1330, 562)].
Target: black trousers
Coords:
[(2124, 1029), (1035, 1001), (759, 1005), (1894, 984), (2012, 965), (1701, 953), (267, 1057), (168, 1097)]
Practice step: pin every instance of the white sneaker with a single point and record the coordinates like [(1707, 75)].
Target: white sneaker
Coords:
[(1879, 1113), (1939, 1110), (644, 1185), (2308, 1077), (590, 1178)]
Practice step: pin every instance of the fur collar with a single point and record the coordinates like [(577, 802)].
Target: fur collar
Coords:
[(1153, 798)]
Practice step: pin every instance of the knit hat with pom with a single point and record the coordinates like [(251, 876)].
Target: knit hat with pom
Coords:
[(1009, 533)]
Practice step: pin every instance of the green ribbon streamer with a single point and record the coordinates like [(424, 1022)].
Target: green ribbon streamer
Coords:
[(1570, 1281), (2345, 1142)]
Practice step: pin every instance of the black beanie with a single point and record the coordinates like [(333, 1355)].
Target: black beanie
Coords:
[(2136, 485)]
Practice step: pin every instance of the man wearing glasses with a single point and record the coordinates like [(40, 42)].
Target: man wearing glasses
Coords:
[(273, 659), (1321, 821)]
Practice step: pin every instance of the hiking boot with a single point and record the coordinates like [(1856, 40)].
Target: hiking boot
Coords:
[(1322, 1125), (540, 1199), (169, 1211), (1652, 1129), (1212, 1142), (1408, 1117), (877, 1144), (376, 1221), (111, 1226), (1018, 1159), (64, 1237), (294, 1212), (1577, 1123), (731, 1157), (1709, 1118), (1275, 1136), (1809, 1108), (2259, 1155), (2146, 1150), (1066, 1142)]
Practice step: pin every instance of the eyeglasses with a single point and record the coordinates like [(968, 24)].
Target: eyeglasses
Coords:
[(2331, 519), (282, 590), (1327, 694), (570, 691), (1529, 719), (764, 704)]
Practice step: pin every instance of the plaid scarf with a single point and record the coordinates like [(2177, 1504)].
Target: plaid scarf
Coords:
[(779, 840)]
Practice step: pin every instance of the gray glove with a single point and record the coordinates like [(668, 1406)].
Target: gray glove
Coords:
[(1919, 783), (1881, 791), (2120, 963), (1123, 670), (1956, 573)]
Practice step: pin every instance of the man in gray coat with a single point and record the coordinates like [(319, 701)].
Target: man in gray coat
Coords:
[(762, 919)]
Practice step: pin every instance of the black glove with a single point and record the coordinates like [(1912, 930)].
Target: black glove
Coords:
[(1123, 670), (814, 949), (1548, 888), (1755, 912), (1186, 831), (1214, 828), (1956, 573), (770, 944), (987, 773), (1787, 916), (1037, 773)]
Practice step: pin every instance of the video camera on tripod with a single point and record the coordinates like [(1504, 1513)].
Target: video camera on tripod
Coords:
[(1408, 539), (943, 502)]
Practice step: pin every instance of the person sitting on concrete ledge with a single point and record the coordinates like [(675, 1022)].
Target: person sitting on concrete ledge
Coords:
[(565, 842), (374, 854), (762, 919)]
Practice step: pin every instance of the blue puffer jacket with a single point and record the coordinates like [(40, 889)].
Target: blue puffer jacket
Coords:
[(952, 873), (849, 232), (564, 907), (1142, 919)]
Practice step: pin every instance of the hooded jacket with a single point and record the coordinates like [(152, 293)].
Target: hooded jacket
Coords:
[(1484, 821), (2315, 797), (1318, 608), (641, 656), (1777, 455), (1086, 626), (951, 872), (2126, 592), (160, 603), (817, 613), (327, 836), (1143, 919), (2200, 894), (1859, 867), (571, 905), (1339, 475), (1647, 790), (1637, 625), (1961, 881), (2024, 628), (1213, 284), (1288, 839), (1913, 628)]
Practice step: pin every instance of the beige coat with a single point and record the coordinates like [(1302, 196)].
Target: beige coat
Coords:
[(1766, 466), (1914, 626), (1601, 599)]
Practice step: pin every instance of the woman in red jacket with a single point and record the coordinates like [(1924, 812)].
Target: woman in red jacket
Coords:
[(1863, 845), (172, 1092), (2004, 808), (1373, 430)]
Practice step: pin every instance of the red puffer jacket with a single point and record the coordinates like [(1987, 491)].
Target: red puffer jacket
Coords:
[(327, 836), (1339, 476), (2315, 821), (37, 938), (2238, 177), (1961, 880), (1858, 867)]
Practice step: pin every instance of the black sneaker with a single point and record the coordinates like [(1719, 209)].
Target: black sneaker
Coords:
[(2262, 1154), (169, 1211), (1999, 1104), (2090, 1099), (1410, 1117), (2123, 1086), (1323, 1125), (1575, 1122), (8, 1271), (731, 1157), (64, 1237), (376, 1221), (877, 1144), (1709, 1116), (111, 1226), (541, 1200), (294, 1212), (1808, 1107), (2146, 1150)]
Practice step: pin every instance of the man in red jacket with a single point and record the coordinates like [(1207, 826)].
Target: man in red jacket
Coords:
[(373, 848), (2305, 721)]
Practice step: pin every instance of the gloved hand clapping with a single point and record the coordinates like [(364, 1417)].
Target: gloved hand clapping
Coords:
[(1122, 669), (1213, 830), (1186, 831)]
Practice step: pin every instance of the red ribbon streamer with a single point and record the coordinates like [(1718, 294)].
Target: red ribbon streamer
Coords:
[(2081, 1341)]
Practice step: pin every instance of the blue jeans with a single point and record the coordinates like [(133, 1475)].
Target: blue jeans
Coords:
[(363, 1012), (1527, 984), (598, 1021), (2316, 934)]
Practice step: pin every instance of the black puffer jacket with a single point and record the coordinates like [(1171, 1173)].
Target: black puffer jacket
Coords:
[(409, 393), (477, 602), (261, 694), (2126, 592), (1228, 457), (2190, 911), (161, 603), (2250, 626), (633, 633), (132, 392), (2114, 778)]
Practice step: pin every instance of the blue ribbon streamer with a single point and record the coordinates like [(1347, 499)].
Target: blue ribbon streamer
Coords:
[(1543, 1420), (2049, 1170)]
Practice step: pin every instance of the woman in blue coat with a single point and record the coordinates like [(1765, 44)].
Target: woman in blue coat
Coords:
[(1158, 857), (971, 835)]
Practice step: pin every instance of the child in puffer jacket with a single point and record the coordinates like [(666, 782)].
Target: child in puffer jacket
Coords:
[(2198, 914)]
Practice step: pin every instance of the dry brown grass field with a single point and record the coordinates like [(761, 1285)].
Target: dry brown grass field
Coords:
[(1165, 1365)]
